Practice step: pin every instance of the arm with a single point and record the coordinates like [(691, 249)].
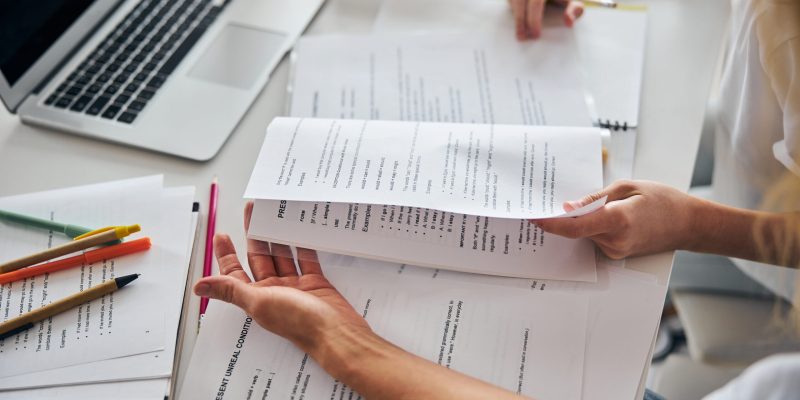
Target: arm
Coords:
[(645, 217), (766, 237), (307, 310), (377, 369)]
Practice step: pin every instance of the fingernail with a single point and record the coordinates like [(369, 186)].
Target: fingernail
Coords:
[(202, 289), (574, 204)]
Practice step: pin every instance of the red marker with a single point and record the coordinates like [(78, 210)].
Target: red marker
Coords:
[(90, 257)]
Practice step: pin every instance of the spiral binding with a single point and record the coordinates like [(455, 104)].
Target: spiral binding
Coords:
[(614, 126)]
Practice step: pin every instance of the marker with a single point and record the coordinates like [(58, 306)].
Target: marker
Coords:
[(25, 321), (70, 230), (83, 242), (90, 257)]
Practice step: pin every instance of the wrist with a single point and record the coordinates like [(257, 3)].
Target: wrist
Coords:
[(701, 220), (720, 229), (345, 350)]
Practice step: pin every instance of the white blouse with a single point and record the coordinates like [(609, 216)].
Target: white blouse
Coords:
[(773, 378), (758, 127)]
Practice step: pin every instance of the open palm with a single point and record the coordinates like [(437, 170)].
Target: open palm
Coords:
[(297, 306)]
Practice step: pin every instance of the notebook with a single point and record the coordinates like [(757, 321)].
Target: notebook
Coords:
[(611, 46)]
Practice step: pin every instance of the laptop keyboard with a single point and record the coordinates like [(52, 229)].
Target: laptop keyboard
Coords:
[(126, 70)]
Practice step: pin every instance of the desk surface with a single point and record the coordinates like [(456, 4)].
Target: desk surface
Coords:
[(684, 38)]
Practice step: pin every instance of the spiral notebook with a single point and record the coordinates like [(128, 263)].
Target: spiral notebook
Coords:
[(611, 44)]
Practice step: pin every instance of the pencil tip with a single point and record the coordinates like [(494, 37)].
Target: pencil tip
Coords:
[(124, 280), (215, 180)]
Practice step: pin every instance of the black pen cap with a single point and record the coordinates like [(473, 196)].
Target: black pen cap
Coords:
[(124, 280)]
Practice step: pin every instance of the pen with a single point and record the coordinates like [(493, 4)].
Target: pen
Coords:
[(210, 228), (104, 253), (613, 4), (604, 4), (67, 229), (600, 3), (85, 241), (25, 321)]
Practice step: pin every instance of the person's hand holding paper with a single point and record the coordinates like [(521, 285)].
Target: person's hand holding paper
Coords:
[(643, 217), (639, 218)]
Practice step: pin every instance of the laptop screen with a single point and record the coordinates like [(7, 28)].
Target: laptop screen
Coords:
[(29, 28)]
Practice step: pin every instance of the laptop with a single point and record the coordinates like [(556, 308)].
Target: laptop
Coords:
[(173, 76)]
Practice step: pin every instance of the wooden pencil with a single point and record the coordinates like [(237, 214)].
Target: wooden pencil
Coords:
[(25, 321)]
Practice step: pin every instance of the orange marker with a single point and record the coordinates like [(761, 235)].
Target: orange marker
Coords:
[(103, 253)]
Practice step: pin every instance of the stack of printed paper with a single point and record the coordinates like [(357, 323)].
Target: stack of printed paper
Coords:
[(530, 343), (442, 195), (129, 335)]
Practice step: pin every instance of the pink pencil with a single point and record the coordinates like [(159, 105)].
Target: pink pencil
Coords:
[(211, 227)]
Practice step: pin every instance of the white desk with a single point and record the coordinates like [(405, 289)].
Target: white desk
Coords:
[(684, 37)]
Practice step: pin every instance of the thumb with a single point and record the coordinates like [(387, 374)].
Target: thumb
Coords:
[(227, 289), (617, 191)]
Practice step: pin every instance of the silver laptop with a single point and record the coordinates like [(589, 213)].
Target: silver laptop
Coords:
[(174, 76)]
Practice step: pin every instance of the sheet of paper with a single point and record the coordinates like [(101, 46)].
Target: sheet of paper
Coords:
[(474, 78), (610, 42), (150, 389), (494, 246), (127, 322), (190, 318), (624, 309), (174, 236), (610, 45), (490, 333), (506, 171)]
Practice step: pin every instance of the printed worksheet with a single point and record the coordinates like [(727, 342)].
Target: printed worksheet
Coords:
[(176, 223), (506, 171), (475, 78), (126, 322), (426, 237), (610, 308), (532, 344), (610, 45)]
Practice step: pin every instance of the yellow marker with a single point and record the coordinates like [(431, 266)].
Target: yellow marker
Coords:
[(83, 242), (119, 231)]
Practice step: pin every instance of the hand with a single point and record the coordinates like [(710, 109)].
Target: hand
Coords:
[(640, 217), (528, 15), (307, 310), (303, 308)]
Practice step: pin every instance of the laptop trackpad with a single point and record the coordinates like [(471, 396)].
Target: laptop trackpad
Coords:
[(238, 56)]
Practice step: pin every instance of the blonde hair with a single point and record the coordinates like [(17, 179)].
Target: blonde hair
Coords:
[(781, 242)]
